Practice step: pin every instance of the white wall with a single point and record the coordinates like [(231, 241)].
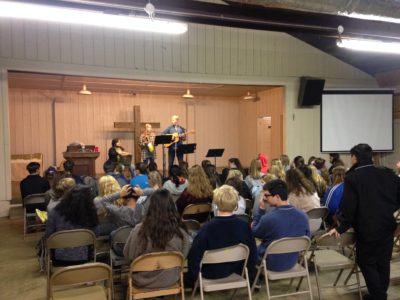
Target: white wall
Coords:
[(206, 54)]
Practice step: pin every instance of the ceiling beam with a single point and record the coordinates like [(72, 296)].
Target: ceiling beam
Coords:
[(243, 16)]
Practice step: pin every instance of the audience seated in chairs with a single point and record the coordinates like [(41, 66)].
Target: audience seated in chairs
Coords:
[(33, 183), (161, 230), (222, 231), (284, 221), (75, 211), (199, 190), (177, 183)]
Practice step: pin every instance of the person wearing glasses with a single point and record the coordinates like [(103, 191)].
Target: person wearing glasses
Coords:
[(283, 221)]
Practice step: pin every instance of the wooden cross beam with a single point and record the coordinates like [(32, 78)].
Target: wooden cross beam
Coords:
[(136, 127)]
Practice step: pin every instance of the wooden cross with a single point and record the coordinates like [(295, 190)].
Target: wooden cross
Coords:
[(136, 127)]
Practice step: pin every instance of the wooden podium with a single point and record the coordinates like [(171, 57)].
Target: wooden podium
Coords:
[(83, 158)]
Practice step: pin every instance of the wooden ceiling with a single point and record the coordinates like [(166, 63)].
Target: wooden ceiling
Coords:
[(110, 85)]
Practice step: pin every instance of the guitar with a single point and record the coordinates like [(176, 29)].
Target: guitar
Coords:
[(176, 137)]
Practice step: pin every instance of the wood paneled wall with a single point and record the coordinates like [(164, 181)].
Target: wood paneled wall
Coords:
[(90, 119), (271, 104)]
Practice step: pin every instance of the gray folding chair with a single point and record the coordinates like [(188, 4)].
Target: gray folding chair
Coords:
[(329, 255), (68, 239), (31, 203), (235, 281), (118, 241), (81, 282), (282, 246)]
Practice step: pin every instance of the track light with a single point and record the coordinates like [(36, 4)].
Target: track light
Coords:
[(369, 45), (48, 13), (250, 96)]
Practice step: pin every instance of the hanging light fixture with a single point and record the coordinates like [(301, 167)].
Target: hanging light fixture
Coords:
[(84, 91), (187, 95), (28, 11), (249, 96)]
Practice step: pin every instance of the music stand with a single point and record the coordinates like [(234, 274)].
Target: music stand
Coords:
[(162, 140), (215, 153), (188, 148)]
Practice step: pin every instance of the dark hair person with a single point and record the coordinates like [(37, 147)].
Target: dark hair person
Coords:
[(177, 183), (302, 194), (234, 163), (75, 211), (298, 162), (161, 230)]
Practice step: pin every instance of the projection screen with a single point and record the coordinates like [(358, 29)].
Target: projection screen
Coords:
[(350, 117)]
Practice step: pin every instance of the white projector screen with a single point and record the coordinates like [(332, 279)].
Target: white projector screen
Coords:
[(350, 117)]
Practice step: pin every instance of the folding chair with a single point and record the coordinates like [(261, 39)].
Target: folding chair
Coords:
[(235, 281), (118, 242), (282, 246), (80, 282), (31, 203), (192, 227), (199, 212), (156, 261), (68, 239), (319, 213), (328, 259), (315, 214)]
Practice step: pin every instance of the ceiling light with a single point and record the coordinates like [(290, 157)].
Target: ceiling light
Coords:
[(28, 11), (188, 95), (368, 17), (369, 45), (84, 91), (249, 96)]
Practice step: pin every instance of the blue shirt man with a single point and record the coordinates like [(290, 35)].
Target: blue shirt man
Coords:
[(174, 149), (283, 221)]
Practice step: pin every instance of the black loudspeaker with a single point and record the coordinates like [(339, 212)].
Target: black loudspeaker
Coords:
[(311, 91)]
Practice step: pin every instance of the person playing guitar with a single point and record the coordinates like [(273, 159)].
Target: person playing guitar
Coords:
[(147, 144), (179, 135)]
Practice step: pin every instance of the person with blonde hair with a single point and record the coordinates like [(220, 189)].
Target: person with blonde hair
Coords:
[(318, 181), (285, 162), (224, 230), (109, 198), (199, 190), (277, 171), (254, 177)]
